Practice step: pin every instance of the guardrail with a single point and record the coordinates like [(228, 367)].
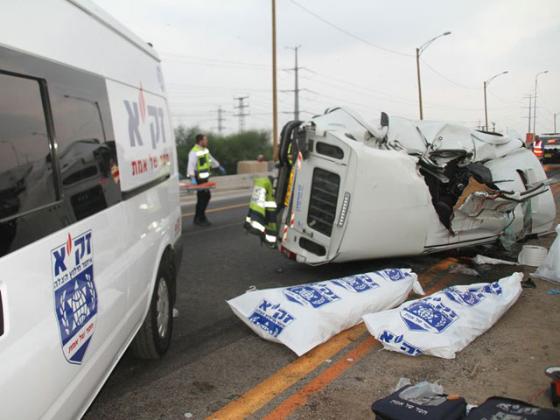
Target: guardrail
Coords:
[(231, 182)]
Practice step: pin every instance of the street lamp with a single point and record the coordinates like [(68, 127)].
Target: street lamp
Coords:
[(535, 103), (486, 83), (419, 51)]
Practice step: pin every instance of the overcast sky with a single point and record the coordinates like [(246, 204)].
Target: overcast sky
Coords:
[(354, 53)]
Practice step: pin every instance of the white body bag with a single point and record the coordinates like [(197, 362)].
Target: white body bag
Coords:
[(304, 316), (445, 322)]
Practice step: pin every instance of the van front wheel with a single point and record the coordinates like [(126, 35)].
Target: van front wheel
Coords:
[(154, 337)]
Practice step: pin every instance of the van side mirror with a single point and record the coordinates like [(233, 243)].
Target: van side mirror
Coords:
[(384, 120)]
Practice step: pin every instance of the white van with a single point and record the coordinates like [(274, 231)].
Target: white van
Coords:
[(90, 222)]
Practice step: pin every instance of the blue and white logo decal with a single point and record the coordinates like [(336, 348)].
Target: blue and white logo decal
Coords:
[(428, 314), (394, 274), (75, 295), (468, 297), (271, 318), (359, 283), (391, 338), (473, 296), (316, 294)]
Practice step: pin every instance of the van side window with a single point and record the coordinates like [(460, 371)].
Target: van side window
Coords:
[(86, 149), (26, 170), (58, 157)]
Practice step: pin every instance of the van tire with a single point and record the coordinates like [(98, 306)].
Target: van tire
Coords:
[(154, 337)]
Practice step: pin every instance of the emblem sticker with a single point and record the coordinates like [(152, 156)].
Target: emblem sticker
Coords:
[(359, 283), (271, 318), (75, 295), (316, 294), (428, 314)]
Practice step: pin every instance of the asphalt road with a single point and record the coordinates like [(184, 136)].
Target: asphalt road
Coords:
[(214, 358)]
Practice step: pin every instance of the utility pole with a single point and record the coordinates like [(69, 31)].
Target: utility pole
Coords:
[(535, 103), (274, 88), (555, 115), (220, 120), (241, 106), (296, 82)]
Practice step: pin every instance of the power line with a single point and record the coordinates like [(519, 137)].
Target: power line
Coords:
[(348, 33), (447, 78), (215, 61)]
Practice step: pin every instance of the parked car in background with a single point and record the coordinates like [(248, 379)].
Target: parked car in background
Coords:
[(547, 147)]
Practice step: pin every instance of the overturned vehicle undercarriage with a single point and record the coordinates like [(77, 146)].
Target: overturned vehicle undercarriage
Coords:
[(345, 190)]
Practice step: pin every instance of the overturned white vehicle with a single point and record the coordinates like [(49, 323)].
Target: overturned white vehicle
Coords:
[(345, 190)]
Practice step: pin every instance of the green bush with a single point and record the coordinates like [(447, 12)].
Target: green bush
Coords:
[(227, 149)]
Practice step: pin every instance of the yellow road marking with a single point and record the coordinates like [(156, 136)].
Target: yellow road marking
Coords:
[(264, 392), (233, 206)]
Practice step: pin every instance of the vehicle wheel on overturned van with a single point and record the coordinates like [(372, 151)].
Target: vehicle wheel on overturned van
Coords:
[(154, 336)]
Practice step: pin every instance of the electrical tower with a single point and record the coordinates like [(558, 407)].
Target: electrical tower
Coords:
[(220, 120), (296, 90), (530, 98), (240, 107)]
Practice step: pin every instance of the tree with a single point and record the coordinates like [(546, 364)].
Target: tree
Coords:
[(228, 150)]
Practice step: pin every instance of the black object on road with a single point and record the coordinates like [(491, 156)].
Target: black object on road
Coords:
[(398, 406), (508, 408)]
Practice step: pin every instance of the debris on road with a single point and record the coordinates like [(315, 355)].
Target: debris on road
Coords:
[(550, 267), (304, 316), (463, 269), (532, 255), (425, 400), (553, 292), (482, 259), (508, 408), (553, 372), (528, 284), (446, 322)]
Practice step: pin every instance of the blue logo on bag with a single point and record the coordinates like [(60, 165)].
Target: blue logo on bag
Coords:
[(316, 294), (407, 348), (395, 274), (468, 297), (493, 289), (473, 296), (75, 294), (428, 314), (359, 283), (271, 318)]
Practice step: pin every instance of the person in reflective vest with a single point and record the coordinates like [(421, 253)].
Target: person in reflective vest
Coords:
[(198, 170), (261, 219)]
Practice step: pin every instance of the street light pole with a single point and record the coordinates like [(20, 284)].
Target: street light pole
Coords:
[(535, 103), (486, 83), (419, 51), (485, 108), (419, 83)]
